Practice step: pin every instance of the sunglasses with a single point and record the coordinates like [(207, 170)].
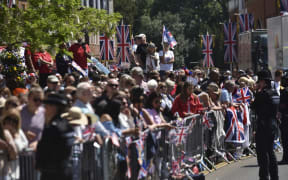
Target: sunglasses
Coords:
[(163, 87)]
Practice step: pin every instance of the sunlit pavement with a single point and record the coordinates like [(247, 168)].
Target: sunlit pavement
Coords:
[(246, 169)]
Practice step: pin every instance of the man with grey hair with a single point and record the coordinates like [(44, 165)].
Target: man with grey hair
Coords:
[(226, 93), (84, 95), (138, 75)]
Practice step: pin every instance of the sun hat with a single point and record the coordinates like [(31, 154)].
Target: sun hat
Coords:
[(75, 116)]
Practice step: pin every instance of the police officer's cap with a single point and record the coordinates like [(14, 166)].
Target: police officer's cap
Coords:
[(56, 99), (264, 75)]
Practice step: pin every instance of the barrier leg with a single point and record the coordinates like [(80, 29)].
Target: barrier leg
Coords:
[(210, 162), (222, 155), (201, 161), (231, 156), (251, 151)]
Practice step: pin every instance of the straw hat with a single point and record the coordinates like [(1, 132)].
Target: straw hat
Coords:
[(75, 116), (92, 117)]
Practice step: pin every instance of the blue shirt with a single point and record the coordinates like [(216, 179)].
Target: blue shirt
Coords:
[(225, 96)]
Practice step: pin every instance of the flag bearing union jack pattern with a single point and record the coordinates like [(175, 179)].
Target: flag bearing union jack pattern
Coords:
[(178, 135), (143, 172), (246, 22), (168, 37), (235, 132), (242, 95), (207, 50), (106, 48), (77, 68), (230, 42), (206, 121), (123, 44), (284, 5)]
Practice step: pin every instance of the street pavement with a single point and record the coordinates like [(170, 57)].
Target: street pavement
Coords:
[(245, 170)]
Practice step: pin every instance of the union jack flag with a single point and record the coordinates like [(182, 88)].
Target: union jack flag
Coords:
[(235, 131), (230, 42), (88, 133), (106, 48), (140, 151), (77, 68), (143, 172), (284, 5), (123, 44), (175, 167), (181, 134), (246, 22), (115, 139), (242, 95), (206, 121), (168, 37), (207, 50)]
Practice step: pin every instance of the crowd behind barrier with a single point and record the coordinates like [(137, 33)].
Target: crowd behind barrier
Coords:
[(96, 163), (140, 123)]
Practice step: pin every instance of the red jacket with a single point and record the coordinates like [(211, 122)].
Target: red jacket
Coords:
[(182, 108)]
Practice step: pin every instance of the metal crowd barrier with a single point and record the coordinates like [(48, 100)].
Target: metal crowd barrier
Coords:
[(92, 162)]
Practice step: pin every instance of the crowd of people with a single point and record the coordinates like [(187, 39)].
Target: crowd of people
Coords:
[(59, 108)]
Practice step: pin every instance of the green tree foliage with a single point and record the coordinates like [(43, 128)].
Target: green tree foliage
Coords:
[(186, 20), (52, 22)]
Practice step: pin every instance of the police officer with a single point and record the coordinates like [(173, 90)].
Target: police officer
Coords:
[(54, 148), (266, 107), (283, 108)]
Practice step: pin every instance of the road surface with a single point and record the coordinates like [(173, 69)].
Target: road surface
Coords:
[(244, 170)]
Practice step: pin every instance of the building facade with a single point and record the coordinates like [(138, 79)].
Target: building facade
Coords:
[(261, 9)]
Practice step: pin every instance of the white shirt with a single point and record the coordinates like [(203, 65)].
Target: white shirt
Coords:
[(134, 48), (168, 56)]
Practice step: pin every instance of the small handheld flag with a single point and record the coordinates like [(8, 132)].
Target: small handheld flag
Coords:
[(168, 37)]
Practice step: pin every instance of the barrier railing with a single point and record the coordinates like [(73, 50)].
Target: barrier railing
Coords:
[(93, 162)]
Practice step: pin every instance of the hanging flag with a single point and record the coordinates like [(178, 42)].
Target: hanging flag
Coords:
[(168, 37), (207, 50), (206, 121), (243, 95), (235, 131), (77, 68), (143, 172), (115, 140), (246, 22), (123, 44), (88, 133), (230, 42), (106, 48), (284, 5), (181, 134)]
